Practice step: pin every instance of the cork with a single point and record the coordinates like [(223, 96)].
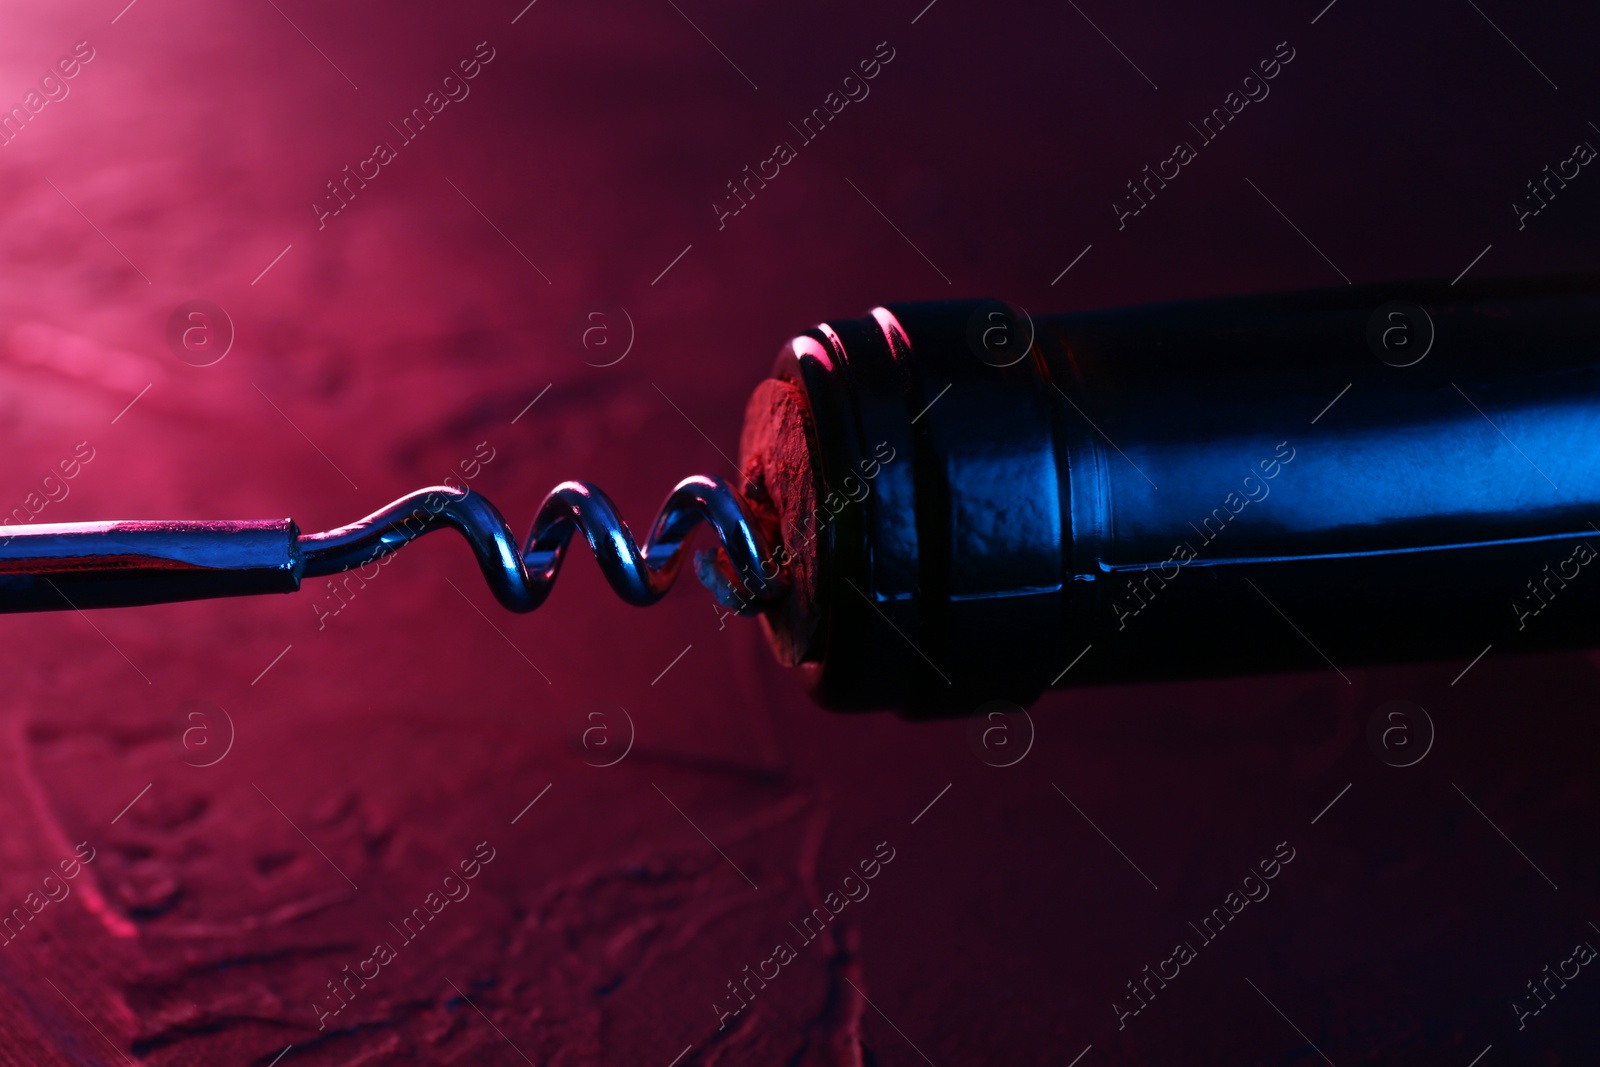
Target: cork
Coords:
[(777, 458)]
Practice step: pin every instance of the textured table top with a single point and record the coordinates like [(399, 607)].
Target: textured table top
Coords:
[(394, 824)]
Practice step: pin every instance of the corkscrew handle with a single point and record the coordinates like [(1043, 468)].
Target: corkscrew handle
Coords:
[(61, 566)]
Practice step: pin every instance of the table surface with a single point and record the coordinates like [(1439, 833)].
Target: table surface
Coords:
[(270, 787)]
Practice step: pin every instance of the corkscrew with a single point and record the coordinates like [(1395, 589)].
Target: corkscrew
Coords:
[(123, 564), (946, 504)]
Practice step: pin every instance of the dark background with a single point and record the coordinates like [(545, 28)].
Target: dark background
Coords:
[(379, 352)]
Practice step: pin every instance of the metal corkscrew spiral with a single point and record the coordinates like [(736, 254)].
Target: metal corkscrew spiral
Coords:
[(641, 574)]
